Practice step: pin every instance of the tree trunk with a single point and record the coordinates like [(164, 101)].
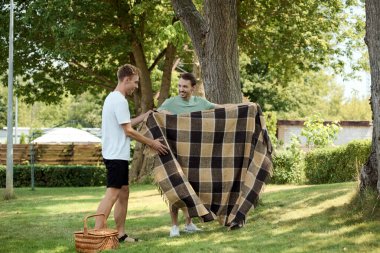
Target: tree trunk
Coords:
[(142, 165), (369, 175), (214, 37), (167, 73), (145, 82), (200, 88)]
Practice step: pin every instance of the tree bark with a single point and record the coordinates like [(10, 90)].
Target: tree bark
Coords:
[(167, 73), (200, 88), (145, 82), (214, 37), (142, 165), (369, 175)]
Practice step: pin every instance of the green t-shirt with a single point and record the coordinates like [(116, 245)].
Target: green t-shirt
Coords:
[(178, 105)]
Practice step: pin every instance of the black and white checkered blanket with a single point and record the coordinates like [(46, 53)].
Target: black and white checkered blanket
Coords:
[(218, 163)]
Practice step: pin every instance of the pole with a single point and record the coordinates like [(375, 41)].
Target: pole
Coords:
[(32, 153), (9, 175), (16, 121)]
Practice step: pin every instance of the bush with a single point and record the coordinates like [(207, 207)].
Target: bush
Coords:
[(319, 135), (56, 175), (288, 165), (339, 164)]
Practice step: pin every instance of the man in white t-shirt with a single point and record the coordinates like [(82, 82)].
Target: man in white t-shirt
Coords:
[(116, 133)]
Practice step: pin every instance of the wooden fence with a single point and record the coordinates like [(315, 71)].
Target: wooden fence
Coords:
[(64, 154)]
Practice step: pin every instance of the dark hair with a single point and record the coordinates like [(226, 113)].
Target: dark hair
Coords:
[(127, 70), (190, 77)]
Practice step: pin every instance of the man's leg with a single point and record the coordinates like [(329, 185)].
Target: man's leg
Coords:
[(190, 226), (188, 220), (120, 210), (174, 216), (105, 206), (174, 231)]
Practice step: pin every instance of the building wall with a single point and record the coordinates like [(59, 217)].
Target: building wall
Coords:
[(351, 130)]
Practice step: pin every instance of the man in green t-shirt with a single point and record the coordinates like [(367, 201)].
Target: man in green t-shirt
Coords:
[(185, 102)]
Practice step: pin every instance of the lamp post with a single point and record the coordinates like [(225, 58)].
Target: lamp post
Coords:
[(9, 174)]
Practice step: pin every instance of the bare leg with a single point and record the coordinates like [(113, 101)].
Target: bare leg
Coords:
[(188, 220), (174, 216), (120, 210), (105, 206)]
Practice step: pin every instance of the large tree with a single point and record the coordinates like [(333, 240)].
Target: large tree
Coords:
[(369, 176), (214, 37), (74, 46), (285, 39)]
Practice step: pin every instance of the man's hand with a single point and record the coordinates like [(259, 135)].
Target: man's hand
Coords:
[(147, 113), (164, 112), (158, 146)]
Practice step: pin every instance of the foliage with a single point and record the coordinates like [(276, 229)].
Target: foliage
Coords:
[(339, 164), (286, 40), (79, 111), (72, 46), (34, 134), (321, 95), (355, 108), (3, 112), (56, 175), (23, 138), (271, 124), (297, 97), (288, 164), (317, 134)]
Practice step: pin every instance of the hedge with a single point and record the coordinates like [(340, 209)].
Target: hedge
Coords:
[(339, 164), (56, 175), (288, 168)]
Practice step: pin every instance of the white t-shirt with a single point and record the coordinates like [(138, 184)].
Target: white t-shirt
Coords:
[(115, 143)]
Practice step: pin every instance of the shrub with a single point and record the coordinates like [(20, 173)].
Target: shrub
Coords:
[(339, 164), (288, 165), (319, 135), (56, 175)]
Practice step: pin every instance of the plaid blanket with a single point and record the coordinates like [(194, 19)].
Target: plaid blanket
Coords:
[(218, 163)]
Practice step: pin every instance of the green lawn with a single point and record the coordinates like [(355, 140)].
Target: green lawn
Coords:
[(289, 219)]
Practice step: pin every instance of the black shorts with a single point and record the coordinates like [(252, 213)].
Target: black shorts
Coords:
[(117, 173)]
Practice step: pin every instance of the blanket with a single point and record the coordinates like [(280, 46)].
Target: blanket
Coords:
[(218, 163)]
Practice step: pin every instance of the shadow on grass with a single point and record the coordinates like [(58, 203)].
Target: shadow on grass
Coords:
[(311, 219)]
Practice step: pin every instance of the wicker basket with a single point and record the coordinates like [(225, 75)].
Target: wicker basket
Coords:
[(95, 240)]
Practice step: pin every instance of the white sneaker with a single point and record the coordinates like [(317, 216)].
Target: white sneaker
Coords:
[(174, 231), (190, 228)]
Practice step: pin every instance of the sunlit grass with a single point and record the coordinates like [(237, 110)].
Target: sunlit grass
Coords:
[(321, 218)]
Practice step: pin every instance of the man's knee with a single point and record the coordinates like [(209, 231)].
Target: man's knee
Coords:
[(124, 192), (112, 194)]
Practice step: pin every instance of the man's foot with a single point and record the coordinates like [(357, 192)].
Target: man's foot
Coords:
[(191, 227), (236, 225), (126, 238), (174, 231)]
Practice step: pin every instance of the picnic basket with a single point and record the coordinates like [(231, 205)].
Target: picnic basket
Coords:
[(95, 240)]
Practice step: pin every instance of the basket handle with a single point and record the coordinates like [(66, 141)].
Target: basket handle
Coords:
[(85, 230)]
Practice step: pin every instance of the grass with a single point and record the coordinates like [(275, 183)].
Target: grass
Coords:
[(321, 218)]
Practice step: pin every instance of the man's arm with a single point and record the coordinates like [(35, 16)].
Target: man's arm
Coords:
[(164, 111), (227, 105), (154, 144), (140, 118)]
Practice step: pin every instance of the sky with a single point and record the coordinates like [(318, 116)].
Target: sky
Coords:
[(362, 85)]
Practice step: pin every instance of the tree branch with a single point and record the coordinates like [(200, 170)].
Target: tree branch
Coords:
[(193, 22), (92, 73), (158, 58), (80, 81)]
